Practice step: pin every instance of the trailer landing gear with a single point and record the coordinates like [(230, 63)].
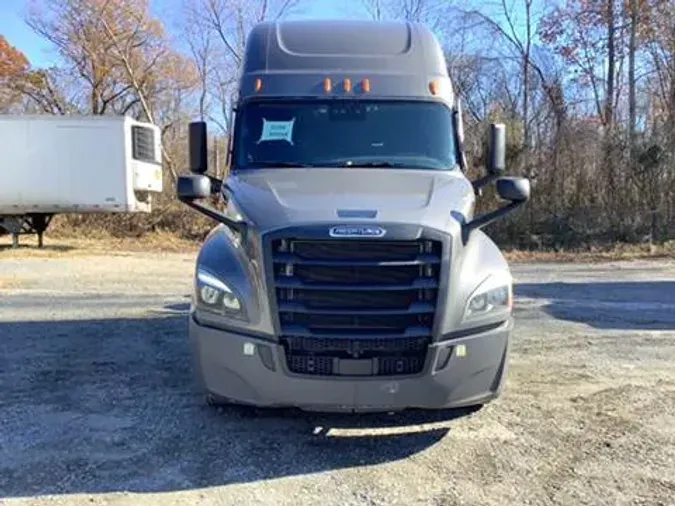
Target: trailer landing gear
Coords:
[(36, 223)]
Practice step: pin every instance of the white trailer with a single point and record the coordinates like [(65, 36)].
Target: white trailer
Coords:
[(74, 164)]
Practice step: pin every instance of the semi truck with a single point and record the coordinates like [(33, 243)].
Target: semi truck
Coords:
[(53, 164), (346, 269)]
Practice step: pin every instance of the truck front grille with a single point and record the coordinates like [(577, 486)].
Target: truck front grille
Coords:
[(356, 307)]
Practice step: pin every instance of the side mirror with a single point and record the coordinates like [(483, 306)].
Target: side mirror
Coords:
[(497, 149), (515, 189), (193, 187), (197, 146), (496, 156), (198, 185)]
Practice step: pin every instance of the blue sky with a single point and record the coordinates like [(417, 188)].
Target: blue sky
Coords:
[(15, 30), (17, 33)]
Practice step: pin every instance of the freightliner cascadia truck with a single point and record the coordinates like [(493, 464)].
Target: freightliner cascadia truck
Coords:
[(348, 270)]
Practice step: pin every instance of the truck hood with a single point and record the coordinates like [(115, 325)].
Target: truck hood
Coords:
[(275, 198)]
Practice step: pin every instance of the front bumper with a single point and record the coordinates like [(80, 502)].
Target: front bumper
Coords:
[(253, 371)]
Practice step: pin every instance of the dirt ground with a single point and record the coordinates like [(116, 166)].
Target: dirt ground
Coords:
[(98, 404)]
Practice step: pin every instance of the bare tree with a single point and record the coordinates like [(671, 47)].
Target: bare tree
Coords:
[(430, 12), (586, 90), (120, 54), (375, 9), (217, 31)]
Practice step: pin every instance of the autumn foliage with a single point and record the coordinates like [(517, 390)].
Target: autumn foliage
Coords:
[(12, 61), (13, 65), (586, 89)]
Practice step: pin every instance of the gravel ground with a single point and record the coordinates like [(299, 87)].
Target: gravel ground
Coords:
[(98, 406)]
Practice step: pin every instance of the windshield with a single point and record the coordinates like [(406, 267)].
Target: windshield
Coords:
[(341, 133)]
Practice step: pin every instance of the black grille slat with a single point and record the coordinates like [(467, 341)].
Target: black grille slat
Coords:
[(328, 299), (355, 250), (421, 259), (416, 284), (363, 347), (354, 333), (351, 322), (415, 308), (363, 307), (404, 275)]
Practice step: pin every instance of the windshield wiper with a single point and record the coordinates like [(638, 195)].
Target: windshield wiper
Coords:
[(374, 163), (279, 163)]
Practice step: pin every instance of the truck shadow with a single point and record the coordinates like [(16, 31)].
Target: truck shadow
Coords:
[(637, 305), (97, 406)]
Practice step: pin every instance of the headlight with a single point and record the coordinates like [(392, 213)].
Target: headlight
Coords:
[(492, 296), (215, 296)]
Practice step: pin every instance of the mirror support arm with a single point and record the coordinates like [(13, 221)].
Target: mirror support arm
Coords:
[(488, 218), (216, 184), (484, 181), (236, 226), (199, 165)]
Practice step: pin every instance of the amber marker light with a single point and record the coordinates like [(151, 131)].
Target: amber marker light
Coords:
[(327, 85), (366, 85), (258, 85), (434, 87), (348, 85)]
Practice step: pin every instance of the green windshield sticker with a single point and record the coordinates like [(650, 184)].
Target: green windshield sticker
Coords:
[(277, 131)]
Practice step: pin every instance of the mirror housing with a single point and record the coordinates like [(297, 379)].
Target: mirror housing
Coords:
[(514, 189), (198, 148), (497, 149), (193, 187), (198, 185), (496, 156)]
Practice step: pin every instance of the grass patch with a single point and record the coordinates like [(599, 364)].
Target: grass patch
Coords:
[(9, 283), (100, 243), (66, 242), (619, 251)]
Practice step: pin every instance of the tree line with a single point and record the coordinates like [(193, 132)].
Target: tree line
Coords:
[(586, 89)]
